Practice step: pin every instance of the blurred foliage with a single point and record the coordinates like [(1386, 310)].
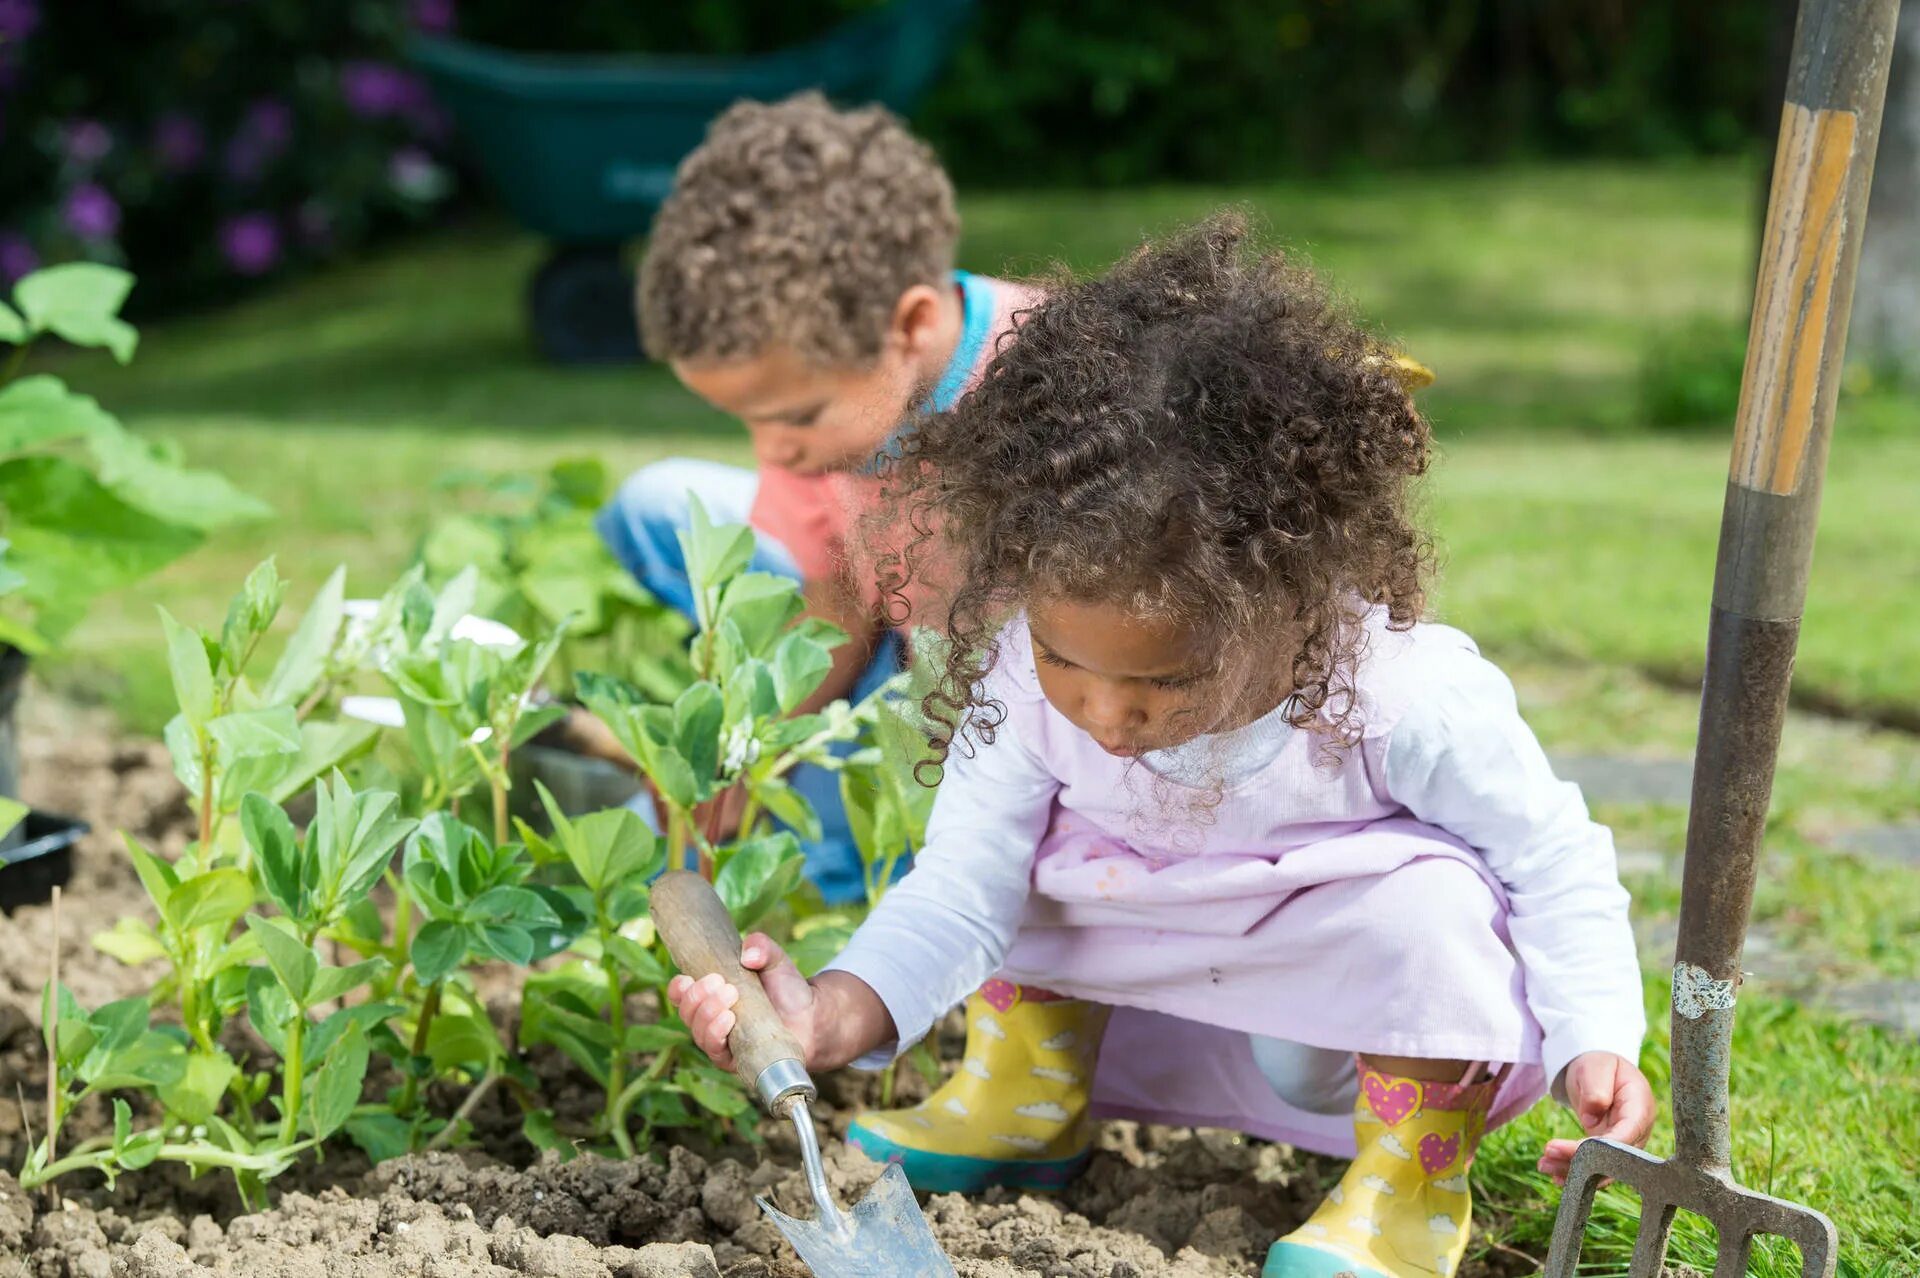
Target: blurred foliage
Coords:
[(1115, 92), (1690, 374), (208, 142)]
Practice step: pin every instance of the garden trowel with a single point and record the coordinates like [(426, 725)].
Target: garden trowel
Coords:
[(885, 1235)]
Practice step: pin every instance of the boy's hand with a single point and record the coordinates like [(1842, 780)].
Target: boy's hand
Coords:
[(706, 1005), (1611, 1098)]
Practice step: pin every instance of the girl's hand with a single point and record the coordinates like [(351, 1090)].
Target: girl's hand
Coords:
[(706, 1005), (1611, 1098)]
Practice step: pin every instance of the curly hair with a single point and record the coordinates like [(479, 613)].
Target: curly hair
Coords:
[(1203, 435), (799, 223)]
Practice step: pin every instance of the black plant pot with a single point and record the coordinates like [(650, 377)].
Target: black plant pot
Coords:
[(37, 855)]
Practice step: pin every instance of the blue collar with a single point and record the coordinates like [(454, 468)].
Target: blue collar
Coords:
[(976, 327), (976, 312)]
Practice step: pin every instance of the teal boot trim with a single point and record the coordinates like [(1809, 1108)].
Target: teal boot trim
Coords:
[(932, 1173), (1300, 1260)]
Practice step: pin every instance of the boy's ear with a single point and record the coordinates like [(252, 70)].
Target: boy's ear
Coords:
[(916, 319)]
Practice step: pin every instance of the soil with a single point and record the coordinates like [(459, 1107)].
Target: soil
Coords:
[(1154, 1202)]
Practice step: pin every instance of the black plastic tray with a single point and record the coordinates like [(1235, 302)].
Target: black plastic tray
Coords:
[(40, 862)]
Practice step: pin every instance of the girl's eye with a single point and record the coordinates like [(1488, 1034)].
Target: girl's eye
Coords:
[(1174, 685), (1049, 657)]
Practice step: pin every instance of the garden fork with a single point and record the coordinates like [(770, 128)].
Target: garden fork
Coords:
[(1816, 212)]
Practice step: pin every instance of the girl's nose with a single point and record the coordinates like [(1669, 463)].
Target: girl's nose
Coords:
[(1111, 711), (776, 450)]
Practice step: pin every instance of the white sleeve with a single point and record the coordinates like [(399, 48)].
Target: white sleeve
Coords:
[(1462, 758), (946, 927)]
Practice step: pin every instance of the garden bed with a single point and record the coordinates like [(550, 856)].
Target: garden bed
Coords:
[(1155, 1201)]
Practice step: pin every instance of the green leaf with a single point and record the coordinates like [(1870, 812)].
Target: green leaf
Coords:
[(156, 875), (304, 662), (537, 1126), (13, 329), (148, 479), (646, 1039), (154, 1059), (330, 983), (761, 605), (276, 849), (196, 1096), (336, 1084), (270, 1008), (294, 963), (799, 665), (40, 410), (438, 949), (516, 905), (119, 1023), (324, 746), (713, 555), (74, 539), (608, 848), (381, 1135), (637, 960), (370, 1017), (789, 806), (247, 734), (507, 943), (131, 940), (464, 1042), (757, 876), (697, 715), (713, 1091), (211, 900), (192, 675), (80, 301)]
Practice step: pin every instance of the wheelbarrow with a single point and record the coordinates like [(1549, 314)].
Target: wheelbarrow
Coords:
[(1816, 215), (583, 149)]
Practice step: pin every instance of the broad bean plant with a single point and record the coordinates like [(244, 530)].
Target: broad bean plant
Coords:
[(321, 932)]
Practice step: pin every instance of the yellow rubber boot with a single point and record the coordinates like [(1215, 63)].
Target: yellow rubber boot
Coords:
[(1015, 1112), (1403, 1208)]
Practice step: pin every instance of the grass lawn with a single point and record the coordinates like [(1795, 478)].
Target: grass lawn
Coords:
[(1579, 550)]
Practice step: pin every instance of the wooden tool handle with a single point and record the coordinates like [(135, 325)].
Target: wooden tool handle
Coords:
[(703, 940)]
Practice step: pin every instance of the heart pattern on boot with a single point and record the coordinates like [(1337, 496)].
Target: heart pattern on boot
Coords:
[(1391, 1103), (1436, 1155)]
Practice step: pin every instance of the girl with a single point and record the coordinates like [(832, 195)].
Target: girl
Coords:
[(1205, 767)]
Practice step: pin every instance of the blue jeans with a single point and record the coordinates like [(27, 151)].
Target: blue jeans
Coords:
[(641, 525)]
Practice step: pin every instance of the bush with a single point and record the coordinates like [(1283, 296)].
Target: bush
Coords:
[(206, 142), (1690, 375)]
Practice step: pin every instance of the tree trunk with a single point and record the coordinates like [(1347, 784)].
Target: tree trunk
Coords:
[(1886, 307)]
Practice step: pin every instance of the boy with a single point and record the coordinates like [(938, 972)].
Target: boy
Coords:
[(800, 278)]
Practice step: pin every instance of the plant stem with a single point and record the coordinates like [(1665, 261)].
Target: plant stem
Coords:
[(195, 1153), (290, 1086), (676, 837), (617, 1015), (634, 1091), (444, 1137), (500, 784), (53, 1032), (886, 1084), (429, 1009), (209, 793), (749, 816)]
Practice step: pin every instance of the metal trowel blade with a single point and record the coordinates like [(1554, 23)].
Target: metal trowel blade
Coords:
[(886, 1236)]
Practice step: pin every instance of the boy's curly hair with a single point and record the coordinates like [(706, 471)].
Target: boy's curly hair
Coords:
[(799, 223), (1201, 434)]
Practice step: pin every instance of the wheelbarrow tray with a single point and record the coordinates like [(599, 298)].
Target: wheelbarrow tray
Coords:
[(582, 148)]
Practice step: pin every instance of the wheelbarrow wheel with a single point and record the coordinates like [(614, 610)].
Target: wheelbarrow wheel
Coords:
[(580, 305)]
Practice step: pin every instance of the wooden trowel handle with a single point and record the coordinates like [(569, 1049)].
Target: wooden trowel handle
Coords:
[(703, 941)]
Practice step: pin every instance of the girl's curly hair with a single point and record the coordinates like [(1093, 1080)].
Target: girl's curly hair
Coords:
[(1201, 434)]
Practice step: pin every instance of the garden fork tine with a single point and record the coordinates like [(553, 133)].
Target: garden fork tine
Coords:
[(1816, 213)]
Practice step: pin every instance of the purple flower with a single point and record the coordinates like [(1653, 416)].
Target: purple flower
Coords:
[(179, 143), (17, 257), (90, 213), (18, 18), (88, 142), (251, 243), (376, 89), (435, 17)]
